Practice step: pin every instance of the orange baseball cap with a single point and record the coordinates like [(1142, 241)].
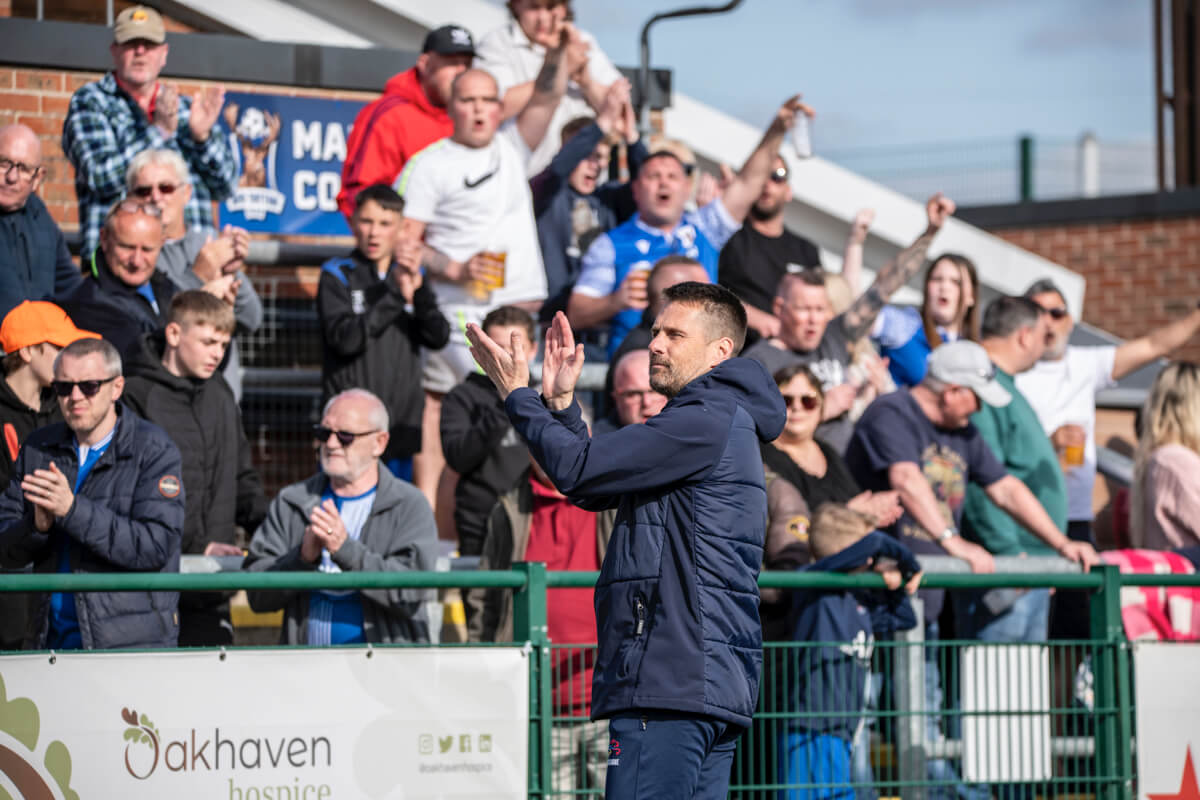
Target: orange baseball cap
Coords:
[(34, 322)]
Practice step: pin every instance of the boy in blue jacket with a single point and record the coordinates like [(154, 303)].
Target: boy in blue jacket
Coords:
[(831, 675)]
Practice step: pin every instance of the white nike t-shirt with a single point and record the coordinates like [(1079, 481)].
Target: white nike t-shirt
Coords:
[(476, 199)]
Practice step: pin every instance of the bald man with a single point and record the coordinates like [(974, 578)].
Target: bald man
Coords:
[(124, 295), (633, 400), (37, 265)]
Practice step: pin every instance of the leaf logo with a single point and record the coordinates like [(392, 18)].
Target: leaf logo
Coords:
[(20, 726), (140, 730)]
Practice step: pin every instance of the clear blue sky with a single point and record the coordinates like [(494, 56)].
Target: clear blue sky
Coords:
[(895, 72)]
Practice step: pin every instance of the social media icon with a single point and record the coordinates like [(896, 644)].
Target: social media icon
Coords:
[(425, 744), (464, 743), (485, 743), (445, 743)]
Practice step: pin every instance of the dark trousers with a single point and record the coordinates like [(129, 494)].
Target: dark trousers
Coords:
[(668, 755)]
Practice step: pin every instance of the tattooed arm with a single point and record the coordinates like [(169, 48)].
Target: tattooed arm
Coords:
[(748, 184), (859, 318), (533, 121)]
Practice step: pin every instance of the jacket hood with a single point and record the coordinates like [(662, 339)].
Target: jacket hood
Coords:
[(146, 362), (753, 389), (10, 401), (406, 85)]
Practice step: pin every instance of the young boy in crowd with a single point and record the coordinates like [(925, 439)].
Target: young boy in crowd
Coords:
[(376, 314), (829, 677)]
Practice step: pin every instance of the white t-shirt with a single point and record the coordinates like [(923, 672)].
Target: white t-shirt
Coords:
[(1064, 392), (476, 199), (512, 59)]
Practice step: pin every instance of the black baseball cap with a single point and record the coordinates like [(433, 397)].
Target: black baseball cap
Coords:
[(449, 40)]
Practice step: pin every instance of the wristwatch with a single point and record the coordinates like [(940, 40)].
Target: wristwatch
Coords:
[(948, 533)]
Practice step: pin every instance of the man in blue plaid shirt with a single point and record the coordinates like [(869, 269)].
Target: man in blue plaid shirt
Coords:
[(127, 111)]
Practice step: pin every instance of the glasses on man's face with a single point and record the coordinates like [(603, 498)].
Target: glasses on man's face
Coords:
[(25, 171), (88, 388), (808, 402), (345, 438), (146, 192), (780, 175), (1056, 313)]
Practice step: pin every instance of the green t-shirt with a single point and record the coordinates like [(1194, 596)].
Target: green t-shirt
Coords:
[(1020, 443)]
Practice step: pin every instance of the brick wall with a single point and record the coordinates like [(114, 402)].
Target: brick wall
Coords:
[(39, 98), (1140, 274)]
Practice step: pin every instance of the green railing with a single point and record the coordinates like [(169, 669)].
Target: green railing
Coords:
[(1092, 749)]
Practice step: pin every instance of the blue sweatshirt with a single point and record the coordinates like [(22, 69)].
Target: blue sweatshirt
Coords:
[(829, 690)]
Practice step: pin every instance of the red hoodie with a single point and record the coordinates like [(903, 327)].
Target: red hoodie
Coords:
[(387, 133)]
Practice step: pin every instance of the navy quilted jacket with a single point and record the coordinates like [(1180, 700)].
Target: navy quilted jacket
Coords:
[(127, 517), (677, 600)]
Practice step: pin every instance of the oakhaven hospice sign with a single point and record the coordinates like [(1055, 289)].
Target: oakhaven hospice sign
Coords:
[(289, 152), (266, 725)]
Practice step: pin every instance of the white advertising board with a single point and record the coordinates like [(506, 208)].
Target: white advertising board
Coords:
[(266, 724), (1167, 699)]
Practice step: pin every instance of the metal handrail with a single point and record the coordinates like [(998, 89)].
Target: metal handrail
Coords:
[(501, 579)]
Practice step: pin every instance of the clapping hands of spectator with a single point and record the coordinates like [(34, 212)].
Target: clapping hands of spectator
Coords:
[(50, 495), (406, 271), (222, 255), (225, 287), (882, 507), (166, 110), (938, 209), (838, 401), (206, 108), (327, 525)]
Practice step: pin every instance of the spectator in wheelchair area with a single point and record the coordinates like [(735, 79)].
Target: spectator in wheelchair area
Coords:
[(173, 382), (193, 258), (353, 515), (377, 314), (99, 492), (478, 441)]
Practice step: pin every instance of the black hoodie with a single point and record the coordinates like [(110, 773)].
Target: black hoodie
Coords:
[(202, 419), (18, 421)]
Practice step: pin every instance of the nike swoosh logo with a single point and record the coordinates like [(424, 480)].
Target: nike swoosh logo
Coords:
[(480, 181)]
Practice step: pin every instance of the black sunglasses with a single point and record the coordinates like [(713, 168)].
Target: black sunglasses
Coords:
[(89, 388), (346, 438), (780, 175), (163, 188), (1058, 312), (808, 401)]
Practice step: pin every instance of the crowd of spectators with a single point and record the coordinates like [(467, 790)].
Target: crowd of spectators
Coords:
[(479, 192)]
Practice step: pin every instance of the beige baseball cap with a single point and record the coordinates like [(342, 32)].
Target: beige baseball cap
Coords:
[(139, 22)]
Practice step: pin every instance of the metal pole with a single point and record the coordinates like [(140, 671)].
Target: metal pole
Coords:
[(530, 626), (1160, 99), (1025, 149), (644, 73)]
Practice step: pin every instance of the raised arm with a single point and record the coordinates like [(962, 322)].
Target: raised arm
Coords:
[(1156, 344), (852, 258), (748, 184), (861, 315), (533, 121)]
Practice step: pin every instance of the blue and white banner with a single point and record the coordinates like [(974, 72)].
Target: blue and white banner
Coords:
[(289, 152)]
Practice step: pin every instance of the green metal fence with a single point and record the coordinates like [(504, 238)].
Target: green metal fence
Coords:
[(1051, 719)]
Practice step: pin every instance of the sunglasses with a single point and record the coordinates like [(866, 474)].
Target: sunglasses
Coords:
[(346, 438), (1058, 312), (145, 192), (780, 175), (808, 401), (89, 388)]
